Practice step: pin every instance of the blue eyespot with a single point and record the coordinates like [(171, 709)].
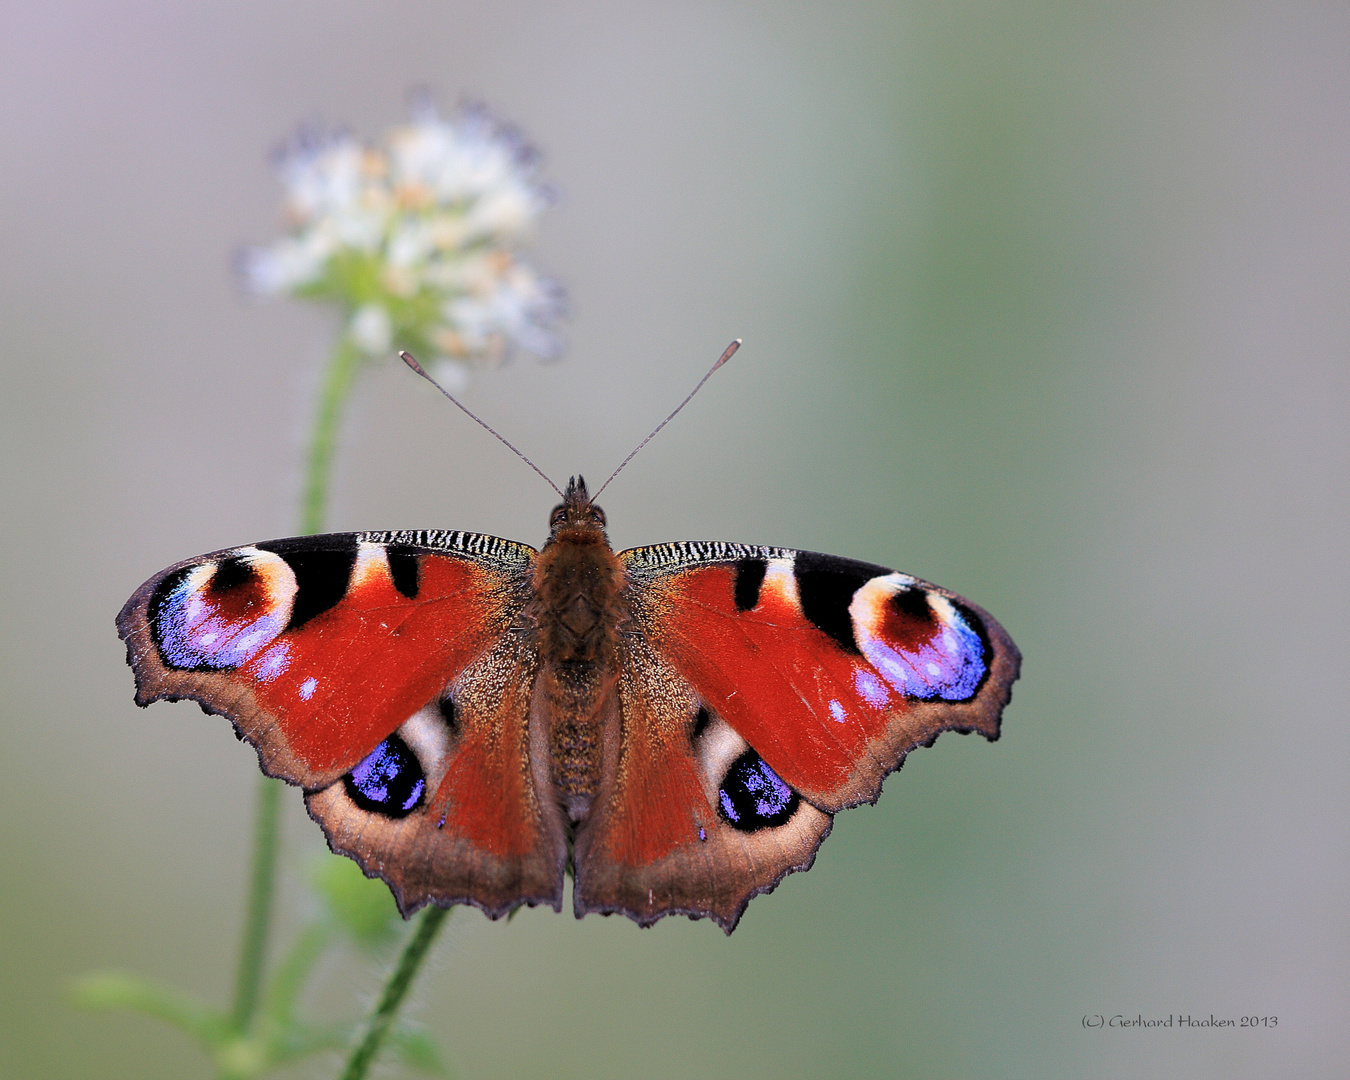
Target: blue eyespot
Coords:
[(389, 781), (753, 796)]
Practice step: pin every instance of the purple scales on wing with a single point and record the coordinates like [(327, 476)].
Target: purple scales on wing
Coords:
[(919, 642), (752, 796), (950, 667), (218, 615), (389, 780)]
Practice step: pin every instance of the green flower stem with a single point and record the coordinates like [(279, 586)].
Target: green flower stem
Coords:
[(377, 1024), (257, 922), (337, 386), (338, 381)]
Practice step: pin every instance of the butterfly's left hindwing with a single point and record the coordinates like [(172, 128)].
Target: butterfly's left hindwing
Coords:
[(690, 822), (382, 673)]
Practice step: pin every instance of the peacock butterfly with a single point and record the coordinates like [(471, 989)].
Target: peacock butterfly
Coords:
[(471, 719)]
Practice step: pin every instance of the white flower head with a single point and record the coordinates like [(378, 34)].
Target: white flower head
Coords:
[(372, 329), (417, 239)]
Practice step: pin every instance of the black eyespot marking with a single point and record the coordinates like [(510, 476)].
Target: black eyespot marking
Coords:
[(749, 578), (826, 586), (321, 576), (403, 569), (913, 604), (389, 781), (753, 797), (446, 707), (230, 574), (701, 722)]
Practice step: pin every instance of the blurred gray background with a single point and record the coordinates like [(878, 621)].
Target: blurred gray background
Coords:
[(1044, 302)]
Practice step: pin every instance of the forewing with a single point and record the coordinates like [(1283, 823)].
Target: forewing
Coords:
[(831, 670)]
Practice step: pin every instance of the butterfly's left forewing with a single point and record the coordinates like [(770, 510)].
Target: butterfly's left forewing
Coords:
[(385, 673), (786, 686)]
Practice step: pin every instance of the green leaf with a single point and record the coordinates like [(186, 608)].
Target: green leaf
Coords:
[(362, 906), (294, 970), (244, 1058), (416, 1049), (109, 990)]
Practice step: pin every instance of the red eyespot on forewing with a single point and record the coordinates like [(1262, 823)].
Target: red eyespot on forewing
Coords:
[(924, 645), (217, 615)]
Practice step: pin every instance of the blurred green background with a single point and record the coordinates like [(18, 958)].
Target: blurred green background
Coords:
[(1044, 302)]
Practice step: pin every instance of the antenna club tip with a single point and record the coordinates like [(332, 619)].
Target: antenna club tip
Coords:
[(411, 361), (729, 352)]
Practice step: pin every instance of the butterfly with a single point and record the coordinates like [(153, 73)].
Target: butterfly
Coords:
[(472, 720)]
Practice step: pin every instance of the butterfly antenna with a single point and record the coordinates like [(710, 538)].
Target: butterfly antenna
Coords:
[(411, 361), (727, 355)]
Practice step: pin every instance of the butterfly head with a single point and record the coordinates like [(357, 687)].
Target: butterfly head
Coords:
[(576, 516)]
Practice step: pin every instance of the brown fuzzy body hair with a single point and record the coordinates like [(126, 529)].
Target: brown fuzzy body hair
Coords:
[(577, 611)]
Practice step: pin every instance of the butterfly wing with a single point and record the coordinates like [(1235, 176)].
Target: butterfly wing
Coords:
[(655, 843), (762, 691), (386, 674)]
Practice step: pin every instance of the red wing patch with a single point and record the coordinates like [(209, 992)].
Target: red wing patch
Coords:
[(677, 829), (447, 809), (487, 794), (368, 663), (319, 647), (832, 670)]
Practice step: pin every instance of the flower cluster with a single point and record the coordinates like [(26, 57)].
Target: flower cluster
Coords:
[(416, 240)]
